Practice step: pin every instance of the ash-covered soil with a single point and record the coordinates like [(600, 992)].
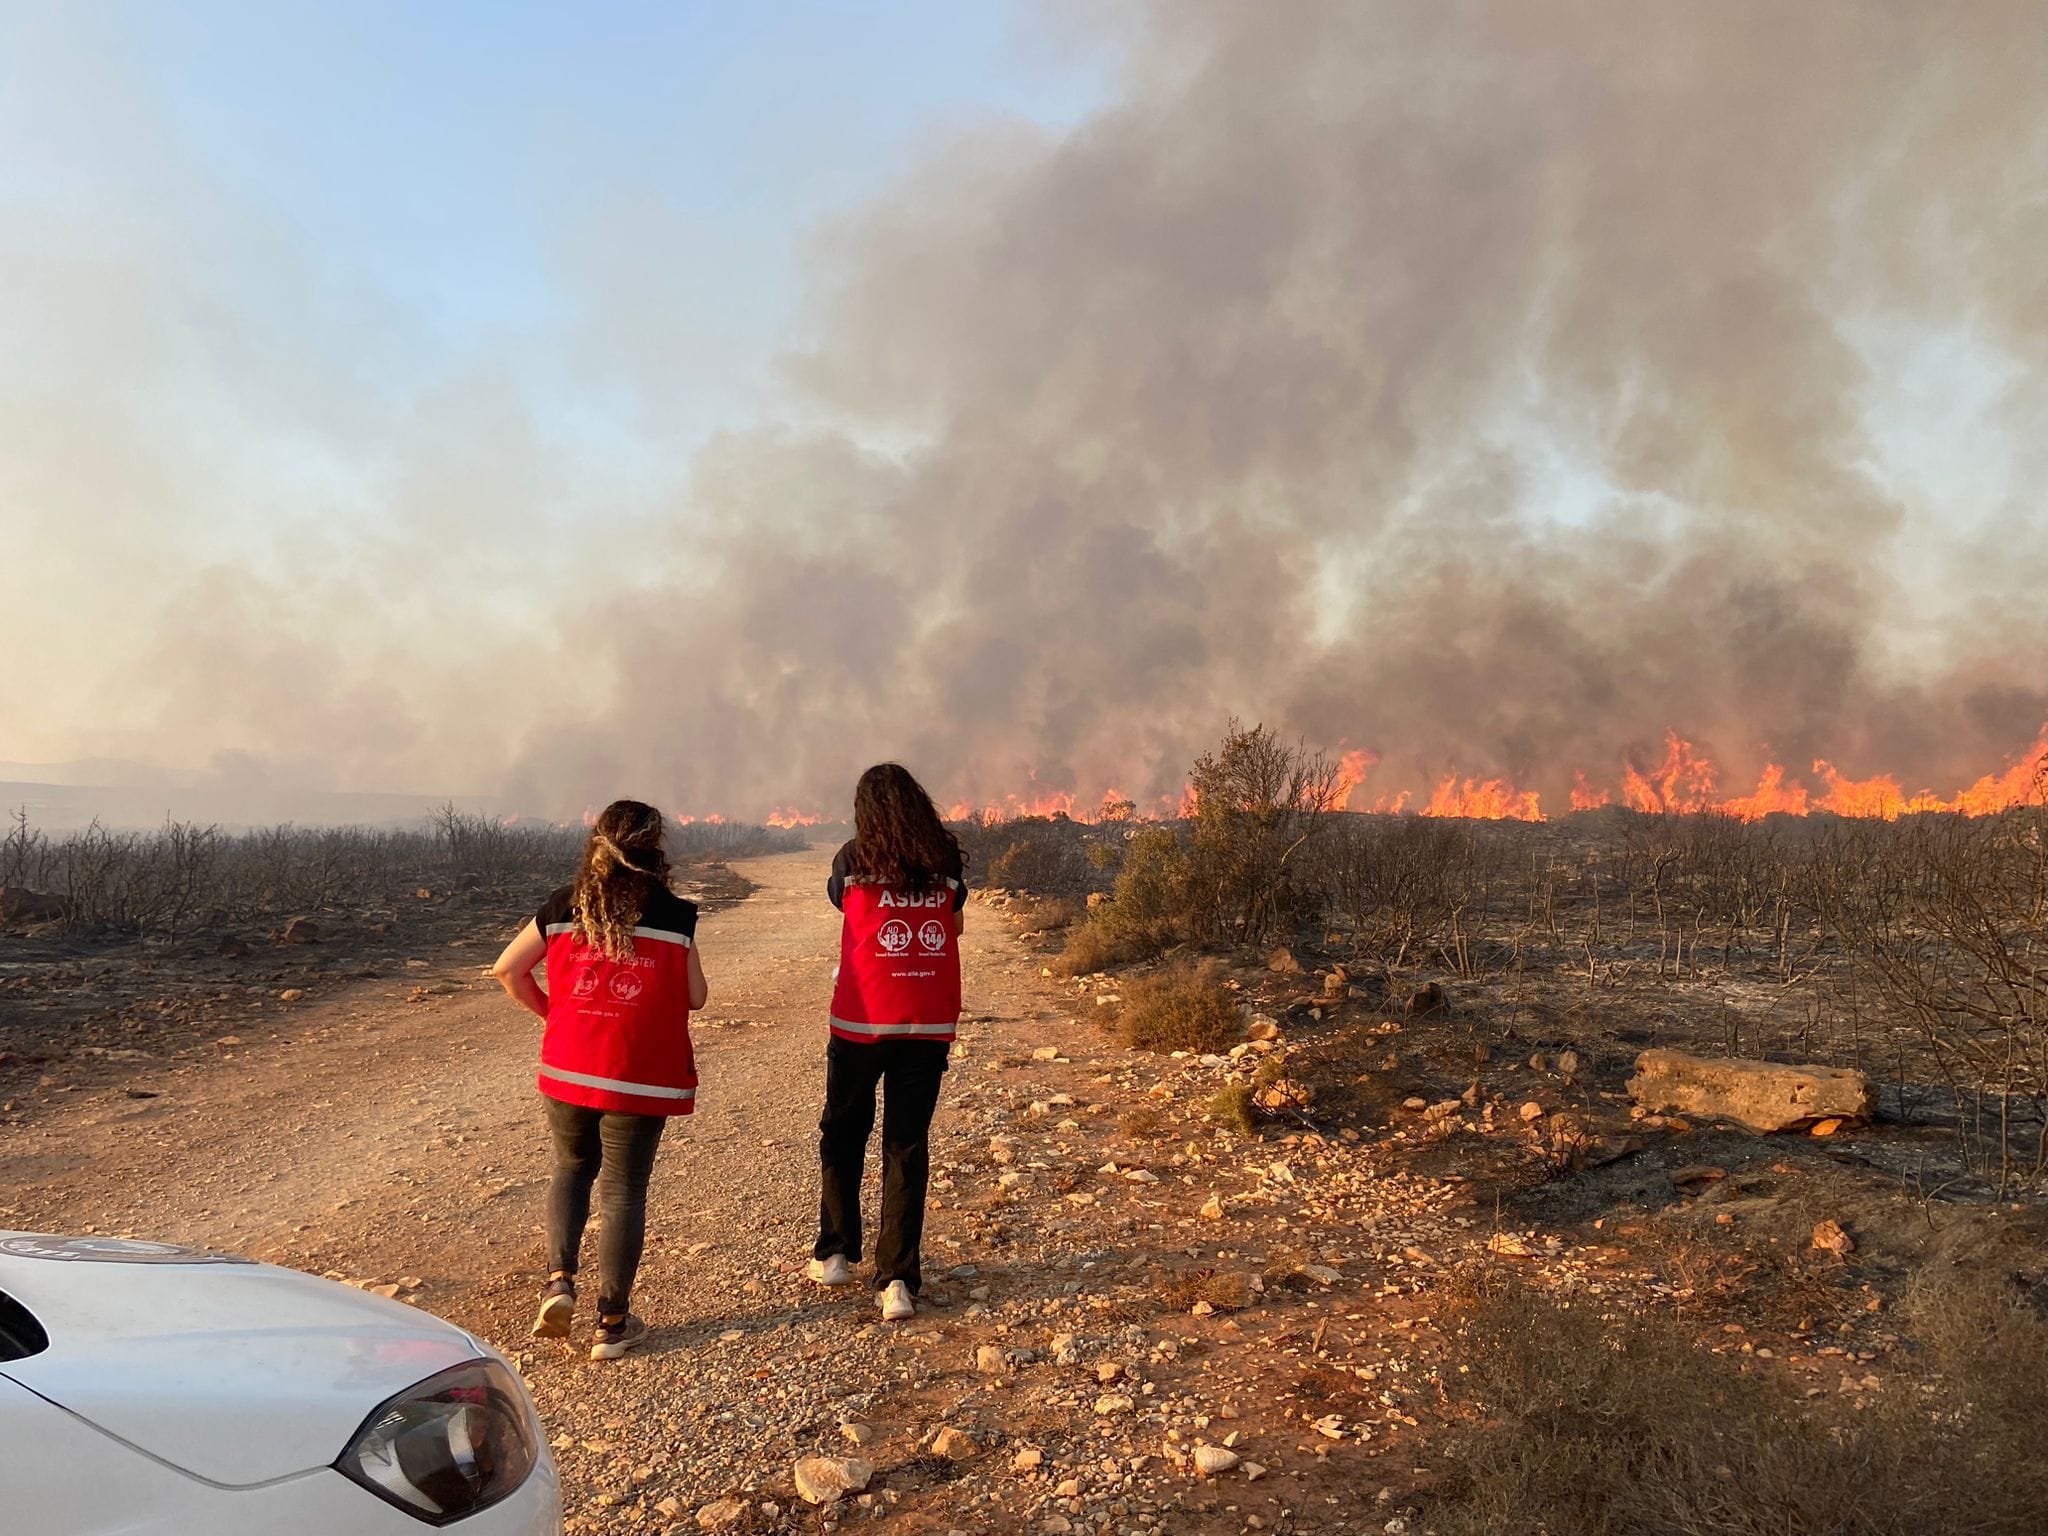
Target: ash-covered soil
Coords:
[(83, 1009), (1137, 1318)]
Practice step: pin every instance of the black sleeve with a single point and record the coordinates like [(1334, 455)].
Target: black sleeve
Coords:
[(958, 875), (835, 884), (668, 910), (556, 909)]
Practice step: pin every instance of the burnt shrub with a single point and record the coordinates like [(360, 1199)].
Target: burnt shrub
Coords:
[(1593, 1425), (1181, 1008), (1040, 860), (1040, 855)]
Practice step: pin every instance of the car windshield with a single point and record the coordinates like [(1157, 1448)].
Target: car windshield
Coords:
[(20, 1334)]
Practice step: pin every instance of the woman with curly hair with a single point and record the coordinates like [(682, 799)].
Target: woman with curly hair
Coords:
[(900, 884), (615, 1060)]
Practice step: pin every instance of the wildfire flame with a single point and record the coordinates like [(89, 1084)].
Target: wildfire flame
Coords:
[(1487, 799), (1683, 782), (1588, 797), (1351, 771)]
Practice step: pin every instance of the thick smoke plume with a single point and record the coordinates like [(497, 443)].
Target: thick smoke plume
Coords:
[(1490, 385)]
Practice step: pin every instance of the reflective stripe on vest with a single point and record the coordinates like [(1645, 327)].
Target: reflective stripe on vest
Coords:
[(618, 1035), (890, 1031), (660, 935), (615, 1085)]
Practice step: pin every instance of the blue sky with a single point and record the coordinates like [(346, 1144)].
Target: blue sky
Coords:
[(430, 147), (445, 156)]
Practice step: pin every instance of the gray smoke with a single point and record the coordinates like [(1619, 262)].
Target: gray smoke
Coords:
[(1491, 385), (1246, 396)]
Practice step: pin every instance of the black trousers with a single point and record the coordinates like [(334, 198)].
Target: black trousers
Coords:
[(616, 1153), (908, 1072)]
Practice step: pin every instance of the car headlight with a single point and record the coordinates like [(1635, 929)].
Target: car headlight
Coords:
[(456, 1443)]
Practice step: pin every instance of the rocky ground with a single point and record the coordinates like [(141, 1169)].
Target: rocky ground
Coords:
[(1138, 1316)]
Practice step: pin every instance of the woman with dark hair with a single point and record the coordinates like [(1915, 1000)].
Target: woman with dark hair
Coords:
[(895, 1005), (615, 1059)]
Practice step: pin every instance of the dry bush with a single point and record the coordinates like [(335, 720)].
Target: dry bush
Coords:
[(1595, 1426), (1182, 1008), (1045, 855), (1224, 1292), (1259, 804), (183, 875), (1038, 859), (1949, 916), (1145, 1122), (1404, 884), (1051, 914)]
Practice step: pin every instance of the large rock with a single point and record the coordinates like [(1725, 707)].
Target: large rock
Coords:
[(1763, 1095), (19, 905), (828, 1479)]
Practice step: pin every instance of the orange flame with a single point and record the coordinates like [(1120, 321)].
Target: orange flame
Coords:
[(1684, 781), (1488, 800), (2026, 779), (1587, 797), (1351, 772), (790, 816), (1772, 794)]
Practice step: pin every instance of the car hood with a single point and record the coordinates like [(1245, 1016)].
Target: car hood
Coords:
[(238, 1373)]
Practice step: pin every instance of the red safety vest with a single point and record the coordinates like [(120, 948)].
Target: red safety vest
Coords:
[(899, 964), (618, 1035)]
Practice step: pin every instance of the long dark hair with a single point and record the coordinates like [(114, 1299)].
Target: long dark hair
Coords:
[(623, 864), (898, 838)]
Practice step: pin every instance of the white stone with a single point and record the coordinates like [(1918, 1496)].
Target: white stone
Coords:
[(1212, 1459), (828, 1479)]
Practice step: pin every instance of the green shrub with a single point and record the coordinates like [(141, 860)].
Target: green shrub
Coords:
[(1231, 1107), (1145, 915)]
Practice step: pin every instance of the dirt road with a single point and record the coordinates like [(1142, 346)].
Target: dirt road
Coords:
[(398, 1144)]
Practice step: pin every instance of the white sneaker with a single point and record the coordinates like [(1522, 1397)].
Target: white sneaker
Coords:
[(897, 1303), (832, 1271)]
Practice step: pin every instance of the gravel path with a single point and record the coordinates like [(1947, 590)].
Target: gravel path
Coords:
[(1058, 1379)]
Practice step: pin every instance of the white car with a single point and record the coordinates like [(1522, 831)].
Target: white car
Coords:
[(151, 1390)]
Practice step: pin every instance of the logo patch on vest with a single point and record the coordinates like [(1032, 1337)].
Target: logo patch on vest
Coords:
[(895, 936), (931, 936)]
